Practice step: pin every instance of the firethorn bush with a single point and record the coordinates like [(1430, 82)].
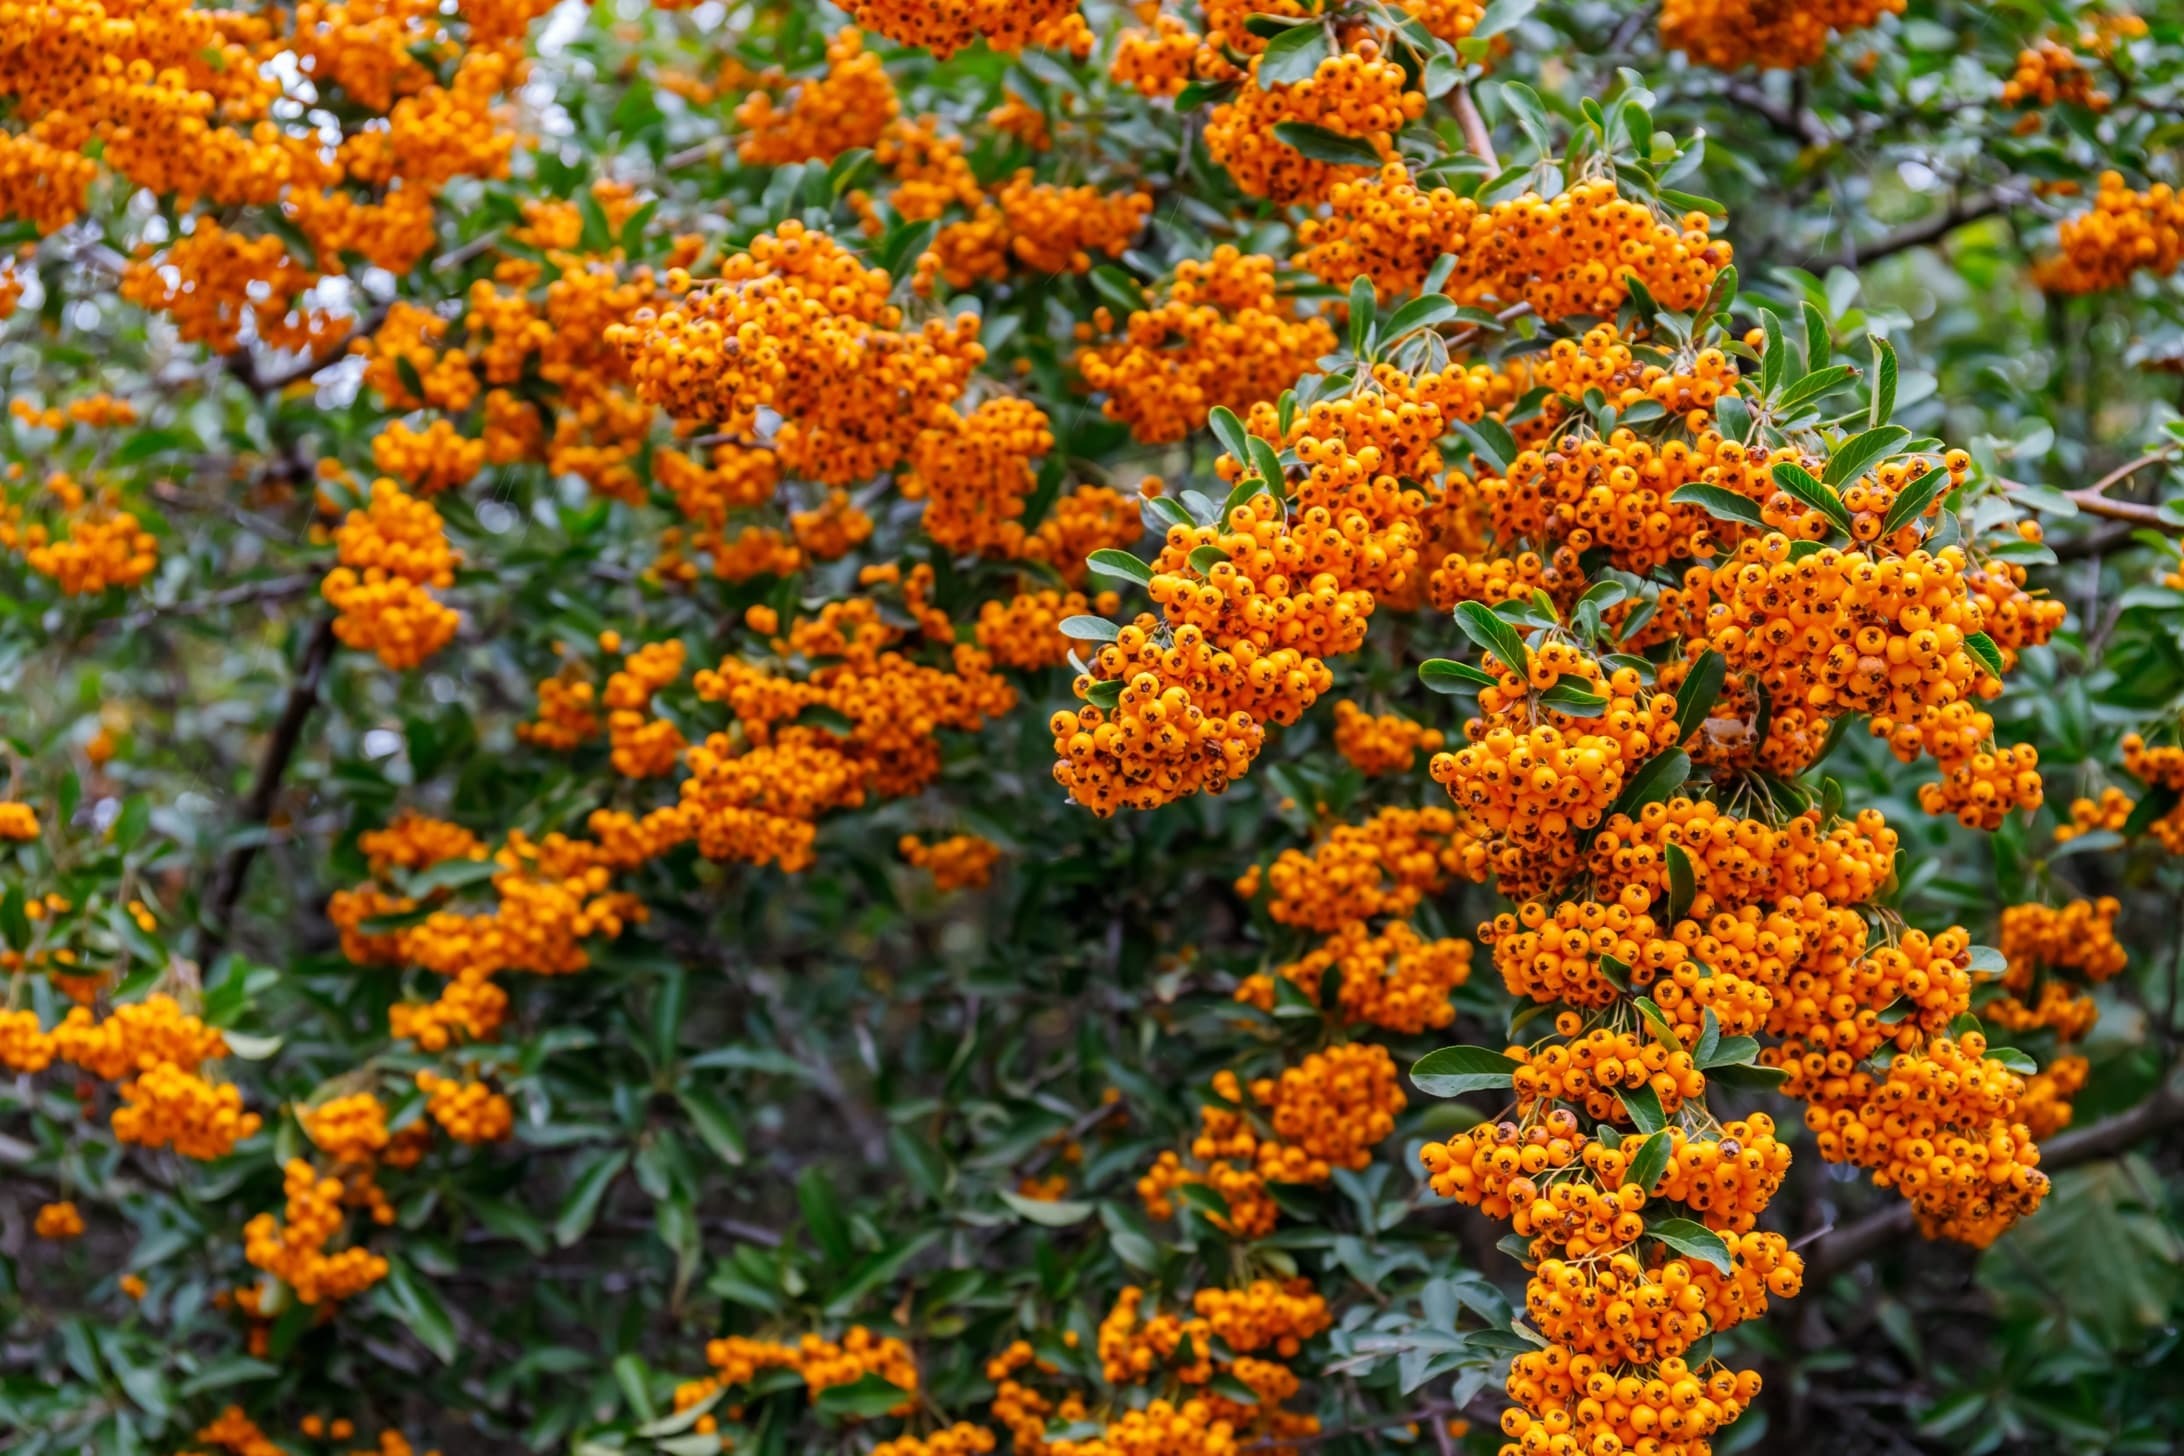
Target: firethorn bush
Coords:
[(1180, 728)]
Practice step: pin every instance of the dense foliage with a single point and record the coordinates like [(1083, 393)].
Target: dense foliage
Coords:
[(1188, 728)]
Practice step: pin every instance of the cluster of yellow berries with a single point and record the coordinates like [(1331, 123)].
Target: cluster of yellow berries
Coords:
[(1534, 776), (1024, 631), (2049, 74), (1728, 35), (822, 1363), (797, 327), (1382, 743), (2125, 232), (469, 1112), (293, 1247), (959, 862), (1395, 979), (849, 105), (1218, 336), (949, 25), (1325, 1113), (155, 1051), (97, 545), (2054, 952), (1385, 865), (58, 1221), (1358, 93), (1941, 1125), (18, 820), (391, 553)]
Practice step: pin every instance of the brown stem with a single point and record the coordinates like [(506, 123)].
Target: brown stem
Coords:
[(216, 919), (1476, 136)]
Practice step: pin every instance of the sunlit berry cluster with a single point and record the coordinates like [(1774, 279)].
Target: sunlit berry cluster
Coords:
[(1729, 35), (392, 553), (2124, 232), (1218, 336)]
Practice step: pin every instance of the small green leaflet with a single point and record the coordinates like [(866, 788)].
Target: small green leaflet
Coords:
[(1720, 503), (1883, 406), (1322, 145), (1090, 629), (1649, 1162), (1692, 1239), (1457, 1069), (1490, 634), (1293, 55), (1911, 502), (1444, 676), (1981, 646), (1798, 481), (1855, 456), (1661, 777), (1644, 1106), (1121, 566), (1701, 689), (1683, 885)]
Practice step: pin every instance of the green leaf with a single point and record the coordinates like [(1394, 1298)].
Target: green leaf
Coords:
[(1364, 306), (1683, 881), (1819, 341), (1693, 1240), (1774, 360), (867, 1396), (1490, 634), (823, 1215), (1749, 1077), (1816, 385), (1049, 1213), (1883, 405), (1855, 456), (591, 1187), (1420, 313), (2013, 1059), (2156, 804), (1494, 450), (1570, 696), (1120, 566), (1986, 960), (1457, 1069), (1322, 145), (1444, 676), (1700, 691), (1117, 288), (1981, 646), (1644, 1106), (1293, 55), (1911, 502), (421, 1311), (1721, 503), (224, 1372), (1649, 1162), (1246, 488), (1798, 481), (713, 1123), (1090, 629), (452, 874), (1230, 431), (1661, 777), (1204, 559), (1265, 461), (1730, 1051)]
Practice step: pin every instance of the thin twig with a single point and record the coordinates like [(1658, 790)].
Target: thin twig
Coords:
[(1960, 212), (216, 919), (1476, 134)]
